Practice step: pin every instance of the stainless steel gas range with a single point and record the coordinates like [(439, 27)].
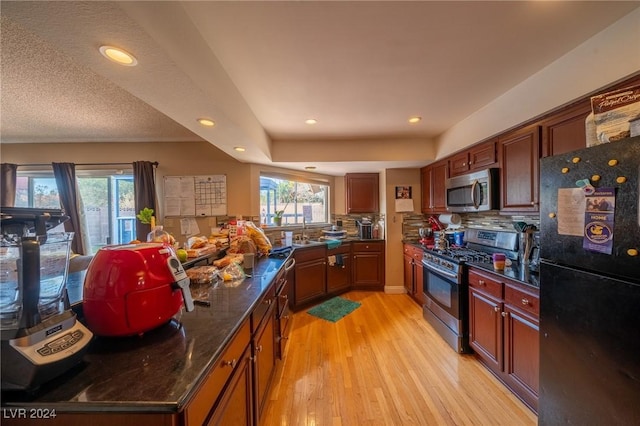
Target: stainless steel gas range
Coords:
[(446, 284)]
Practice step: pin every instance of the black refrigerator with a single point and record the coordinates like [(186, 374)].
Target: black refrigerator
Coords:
[(590, 286)]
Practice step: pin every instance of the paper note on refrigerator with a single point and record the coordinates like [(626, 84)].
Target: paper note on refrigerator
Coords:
[(571, 208)]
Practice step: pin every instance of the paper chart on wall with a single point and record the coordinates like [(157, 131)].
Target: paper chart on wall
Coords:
[(195, 195)]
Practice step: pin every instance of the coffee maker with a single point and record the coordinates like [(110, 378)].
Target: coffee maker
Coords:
[(40, 336), (365, 228)]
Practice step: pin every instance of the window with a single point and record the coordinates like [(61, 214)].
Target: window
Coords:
[(299, 201), (108, 201)]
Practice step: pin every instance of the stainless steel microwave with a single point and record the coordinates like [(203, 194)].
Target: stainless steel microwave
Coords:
[(473, 192)]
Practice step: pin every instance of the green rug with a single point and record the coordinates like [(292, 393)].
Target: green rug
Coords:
[(334, 309)]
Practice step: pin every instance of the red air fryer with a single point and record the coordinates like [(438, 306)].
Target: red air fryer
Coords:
[(130, 289)]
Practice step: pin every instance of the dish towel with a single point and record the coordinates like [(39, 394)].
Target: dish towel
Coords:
[(335, 260)]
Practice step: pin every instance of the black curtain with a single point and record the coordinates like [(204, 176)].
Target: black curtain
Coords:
[(144, 185), (8, 186), (65, 174)]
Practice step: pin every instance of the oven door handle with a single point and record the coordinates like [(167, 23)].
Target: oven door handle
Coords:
[(474, 200), (447, 274)]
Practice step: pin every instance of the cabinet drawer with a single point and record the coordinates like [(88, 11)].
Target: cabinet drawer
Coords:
[(366, 246), (343, 249), (204, 400), (485, 284), (522, 300), (309, 253)]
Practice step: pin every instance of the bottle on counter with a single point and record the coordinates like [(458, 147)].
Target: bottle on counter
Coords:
[(375, 234)]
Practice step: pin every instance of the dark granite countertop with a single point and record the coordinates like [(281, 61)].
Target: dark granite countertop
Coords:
[(515, 272), (158, 371)]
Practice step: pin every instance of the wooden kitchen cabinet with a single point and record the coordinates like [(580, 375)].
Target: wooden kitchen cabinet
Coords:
[(504, 331), (362, 192), (433, 180), (478, 157), (310, 274), (235, 406), (413, 273), (519, 156), (368, 265), (232, 366), (264, 360), (565, 132), (284, 282), (339, 275)]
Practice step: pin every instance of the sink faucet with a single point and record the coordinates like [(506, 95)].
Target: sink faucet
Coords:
[(304, 227)]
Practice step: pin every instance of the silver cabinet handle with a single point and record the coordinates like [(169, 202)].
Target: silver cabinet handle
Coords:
[(525, 301)]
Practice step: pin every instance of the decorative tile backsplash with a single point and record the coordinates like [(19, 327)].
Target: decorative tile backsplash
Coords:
[(485, 220)]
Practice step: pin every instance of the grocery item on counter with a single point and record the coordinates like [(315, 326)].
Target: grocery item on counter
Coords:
[(259, 237), (203, 274), (229, 259)]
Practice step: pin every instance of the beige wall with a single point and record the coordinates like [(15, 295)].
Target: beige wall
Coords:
[(394, 278), (175, 159)]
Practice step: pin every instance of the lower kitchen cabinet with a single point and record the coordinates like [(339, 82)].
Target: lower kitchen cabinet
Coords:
[(235, 406), (264, 360), (284, 282), (504, 331), (310, 274), (368, 265), (413, 273), (216, 392), (339, 269)]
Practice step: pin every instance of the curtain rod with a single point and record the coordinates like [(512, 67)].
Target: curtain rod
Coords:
[(155, 164)]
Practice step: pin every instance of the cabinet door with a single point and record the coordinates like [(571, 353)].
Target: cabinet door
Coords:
[(438, 182), (519, 160), (483, 156), (485, 328), (522, 350), (418, 276), (310, 280), (362, 192), (264, 361), (339, 276), (425, 180), (236, 404), (459, 164), (368, 265), (565, 132), (409, 279)]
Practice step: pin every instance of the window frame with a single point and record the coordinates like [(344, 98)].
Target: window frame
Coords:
[(299, 215)]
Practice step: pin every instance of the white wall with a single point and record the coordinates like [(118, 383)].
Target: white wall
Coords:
[(607, 57)]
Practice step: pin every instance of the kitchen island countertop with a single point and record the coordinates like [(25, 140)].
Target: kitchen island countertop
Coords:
[(160, 370)]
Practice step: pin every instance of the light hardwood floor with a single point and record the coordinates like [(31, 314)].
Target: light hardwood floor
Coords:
[(383, 365)]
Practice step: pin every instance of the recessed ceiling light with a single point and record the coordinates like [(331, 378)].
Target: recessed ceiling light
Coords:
[(310, 168), (118, 56), (414, 120), (239, 149), (206, 122), (311, 121)]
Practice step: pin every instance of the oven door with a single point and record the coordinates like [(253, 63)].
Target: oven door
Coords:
[(442, 289)]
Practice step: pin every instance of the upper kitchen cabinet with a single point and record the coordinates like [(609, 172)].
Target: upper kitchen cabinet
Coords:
[(363, 192), (434, 178), (519, 155), (565, 131), (481, 156)]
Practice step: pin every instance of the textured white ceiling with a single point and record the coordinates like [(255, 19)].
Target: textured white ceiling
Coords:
[(259, 69)]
